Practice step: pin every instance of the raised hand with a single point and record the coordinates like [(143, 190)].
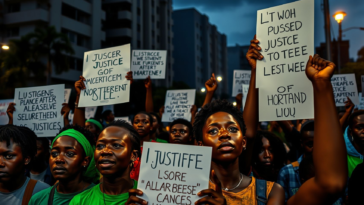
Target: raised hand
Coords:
[(129, 76), (211, 84), (133, 199), (148, 82), (80, 85), (253, 53), (65, 109), (10, 111), (319, 69), (193, 110), (213, 197), (161, 111), (239, 98), (349, 105)]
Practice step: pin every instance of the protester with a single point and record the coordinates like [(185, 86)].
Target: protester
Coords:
[(156, 125), (142, 123), (94, 126), (355, 187), (269, 156), (181, 132), (17, 150), (65, 112), (72, 165), (117, 147), (349, 107)]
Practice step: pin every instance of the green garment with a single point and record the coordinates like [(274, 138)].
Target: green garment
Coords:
[(352, 163), (161, 141), (41, 198), (95, 196)]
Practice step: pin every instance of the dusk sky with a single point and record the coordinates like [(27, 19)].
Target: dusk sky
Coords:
[(237, 18)]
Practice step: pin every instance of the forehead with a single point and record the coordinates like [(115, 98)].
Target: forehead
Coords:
[(65, 141), (12, 146), (179, 126), (89, 124), (265, 142), (359, 119), (141, 116), (115, 133), (220, 117)]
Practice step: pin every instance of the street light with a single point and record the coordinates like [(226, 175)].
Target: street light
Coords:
[(203, 90), (5, 47), (339, 17), (234, 103), (219, 78)]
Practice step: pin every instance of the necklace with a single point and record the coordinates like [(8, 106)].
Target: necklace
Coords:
[(103, 190), (226, 189)]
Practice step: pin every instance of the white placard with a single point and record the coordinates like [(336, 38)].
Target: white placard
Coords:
[(362, 84), (361, 102), (70, 117), (178, 104), (245, 89), (344, 85), (105, 72), (184, 169), (240, 77), (39, 108), (285, 103), (67, 94), (90, 112), (149, 63), (4, 104), (286, 35)]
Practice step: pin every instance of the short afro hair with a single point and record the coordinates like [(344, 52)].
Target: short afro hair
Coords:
[(24, 137), (135, 140), (214, 107), (145, 113), (183, 122), (353, 116)]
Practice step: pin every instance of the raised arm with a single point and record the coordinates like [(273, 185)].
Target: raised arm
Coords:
[(64, 112), (349, 106), (239, 100), (250, 113), (193, 113), (211, 86), (10, 111), (79, 115), (330, 154), (149, 106)]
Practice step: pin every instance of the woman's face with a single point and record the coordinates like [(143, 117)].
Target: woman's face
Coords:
[(114, 152), (142, 124), (179, 134), (91, 127), (67, 158), (266, 155), (222, 132), (155, 123)]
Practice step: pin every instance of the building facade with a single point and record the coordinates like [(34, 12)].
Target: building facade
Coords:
[(237, 61), (146, 24), (200, 50), (80, 20)]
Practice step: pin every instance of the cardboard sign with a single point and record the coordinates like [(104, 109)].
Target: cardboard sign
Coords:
[(90, 112), (149, 63), (178, 104), (105, 72), (284, 103), (286, 35), (344, 85), (245, 89), (240, 77), (4, 104), (39, 108), (173, 174), (67, 94)]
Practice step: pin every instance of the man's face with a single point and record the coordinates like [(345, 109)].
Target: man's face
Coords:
[(155, 123), (357, 130), (180, 134), (307, 141), (12, 162)]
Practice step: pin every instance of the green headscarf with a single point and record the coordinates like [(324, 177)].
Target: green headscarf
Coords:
[(91, 171), (95, 122)]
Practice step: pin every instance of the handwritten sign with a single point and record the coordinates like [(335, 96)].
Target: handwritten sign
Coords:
[(178, 104), (245, 89), (284, 103), (240, 77), (105, 71), (67, 94), (173, 174), (149, 63), (344, 86), (4, 104), (286, 35), (39, 108), (90, 112)]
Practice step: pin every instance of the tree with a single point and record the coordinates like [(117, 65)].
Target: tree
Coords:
[(54, 46)]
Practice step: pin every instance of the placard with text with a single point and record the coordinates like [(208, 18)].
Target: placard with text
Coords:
[(39, 108), (344, 85), (178, 104), (286, 36), (67, 94), (245, 89), (4, 104), (105, 71), (240, 77), (173, 174), (90, 112), (149, 63)]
